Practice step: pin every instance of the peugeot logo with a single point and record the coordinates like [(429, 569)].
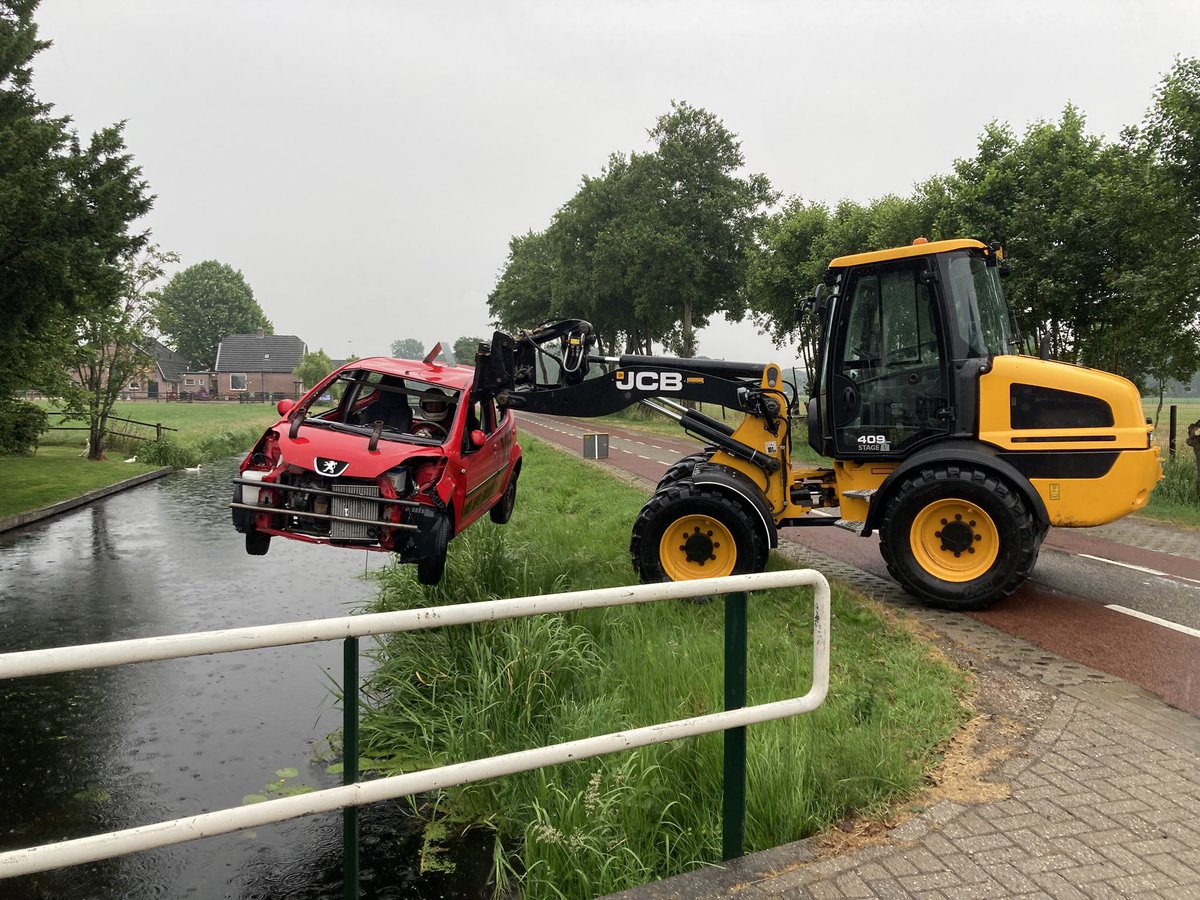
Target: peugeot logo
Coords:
[(331, 467)]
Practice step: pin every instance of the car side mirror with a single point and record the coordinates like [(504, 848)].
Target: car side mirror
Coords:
[(285, 406), (478, 438)]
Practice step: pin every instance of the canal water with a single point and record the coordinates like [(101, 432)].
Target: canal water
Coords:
[(82, 753)]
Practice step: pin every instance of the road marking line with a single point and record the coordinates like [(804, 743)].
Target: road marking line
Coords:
[(1174, 626), (1124, 565)]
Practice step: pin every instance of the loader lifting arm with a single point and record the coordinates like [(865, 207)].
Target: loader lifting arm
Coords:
[(574, 382)]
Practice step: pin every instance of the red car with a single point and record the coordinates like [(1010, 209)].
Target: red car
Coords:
[(384, 454)]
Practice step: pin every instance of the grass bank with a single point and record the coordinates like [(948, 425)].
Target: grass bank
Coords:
[(58, 471), (607, 824)]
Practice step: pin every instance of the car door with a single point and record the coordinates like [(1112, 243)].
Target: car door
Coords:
[(485, 464)]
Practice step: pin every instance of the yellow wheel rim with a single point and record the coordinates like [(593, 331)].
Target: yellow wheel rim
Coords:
[(954, 540), (697, 546)]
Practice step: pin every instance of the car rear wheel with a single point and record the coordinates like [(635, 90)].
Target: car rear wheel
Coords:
[(503, 509)]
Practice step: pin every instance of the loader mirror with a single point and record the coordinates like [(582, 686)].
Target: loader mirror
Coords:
[(810, 304)]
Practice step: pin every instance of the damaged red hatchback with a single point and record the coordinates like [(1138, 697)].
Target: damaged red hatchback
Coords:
[(384, 454)]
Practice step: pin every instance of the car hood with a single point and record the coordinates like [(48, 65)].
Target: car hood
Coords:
[(311, 444)]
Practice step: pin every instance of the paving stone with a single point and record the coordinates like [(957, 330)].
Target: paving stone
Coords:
[(929, 881), (1010, 878)]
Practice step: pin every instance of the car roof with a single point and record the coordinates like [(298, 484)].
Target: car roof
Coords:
[(458, 378)]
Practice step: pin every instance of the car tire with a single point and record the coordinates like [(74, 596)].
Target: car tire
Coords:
[(958, 537), (686, 531), (502, 511), (257, 542), (432, 567)]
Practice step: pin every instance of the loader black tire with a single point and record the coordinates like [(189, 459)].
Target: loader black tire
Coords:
[(958, 537), (432, 567), (686, 531), (681, 469)]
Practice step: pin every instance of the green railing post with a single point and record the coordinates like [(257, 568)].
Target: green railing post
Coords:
[(350, 766), (733, 795)]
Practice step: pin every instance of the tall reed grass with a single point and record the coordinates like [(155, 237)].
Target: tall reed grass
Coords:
[(606, 824)]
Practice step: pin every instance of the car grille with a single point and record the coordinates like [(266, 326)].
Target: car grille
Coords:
[(353, 500)]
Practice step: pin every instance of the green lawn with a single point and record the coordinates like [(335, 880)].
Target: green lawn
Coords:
[(56, 474), (58, 470), (192, 420)]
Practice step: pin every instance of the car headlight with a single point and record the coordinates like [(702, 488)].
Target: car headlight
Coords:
[(399, 480)]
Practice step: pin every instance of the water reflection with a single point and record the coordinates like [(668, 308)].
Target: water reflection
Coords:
[(114, 748)]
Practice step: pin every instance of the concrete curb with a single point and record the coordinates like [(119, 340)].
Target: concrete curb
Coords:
[(36, 515)]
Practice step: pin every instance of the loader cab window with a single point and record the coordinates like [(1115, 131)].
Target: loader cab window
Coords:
[(982, 327), (887, 390)]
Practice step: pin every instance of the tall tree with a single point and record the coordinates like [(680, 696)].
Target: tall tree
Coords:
[(651, 248), (523, 294), (204, 304), (1173, 129), (408, 348), (109, 344), (466, 347), (66, 209), (313, 367), (696, 228), (787, 268)]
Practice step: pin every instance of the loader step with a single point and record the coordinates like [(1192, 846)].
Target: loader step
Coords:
[(856, 527), (865, 494)]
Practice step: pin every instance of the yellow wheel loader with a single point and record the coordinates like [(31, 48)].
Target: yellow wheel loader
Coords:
[(957, 450)]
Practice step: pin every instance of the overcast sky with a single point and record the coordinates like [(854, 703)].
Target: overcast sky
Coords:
[(364, 163)]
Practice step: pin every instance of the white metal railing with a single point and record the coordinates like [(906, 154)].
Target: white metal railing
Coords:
[(162, 834)]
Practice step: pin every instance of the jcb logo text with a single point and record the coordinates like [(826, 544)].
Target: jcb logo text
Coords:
[(650, 381)]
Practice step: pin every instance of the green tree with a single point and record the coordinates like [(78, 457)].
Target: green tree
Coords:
[(65, 214), (408, 348), (522, 297), (466, 347), (204, 304), (313, 368), (1173, 128), (651, 248), (108, 345), (694, 226), (785, 269)]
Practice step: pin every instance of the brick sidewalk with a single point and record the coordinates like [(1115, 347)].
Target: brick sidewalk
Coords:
[(1098, 796)]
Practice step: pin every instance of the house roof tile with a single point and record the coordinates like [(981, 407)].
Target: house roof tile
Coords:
[(259, 353)]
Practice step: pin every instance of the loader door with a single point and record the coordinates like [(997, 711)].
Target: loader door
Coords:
[(888, 386)]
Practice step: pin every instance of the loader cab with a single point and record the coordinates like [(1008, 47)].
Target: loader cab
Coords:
[(905, 335)]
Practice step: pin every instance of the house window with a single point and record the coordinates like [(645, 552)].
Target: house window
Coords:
[(237, 382), (135, 386), (189, 381)]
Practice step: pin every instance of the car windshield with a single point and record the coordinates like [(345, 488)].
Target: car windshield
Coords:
[(405, 409)]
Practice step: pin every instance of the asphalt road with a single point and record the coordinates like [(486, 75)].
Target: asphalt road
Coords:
[(1124, 598)]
